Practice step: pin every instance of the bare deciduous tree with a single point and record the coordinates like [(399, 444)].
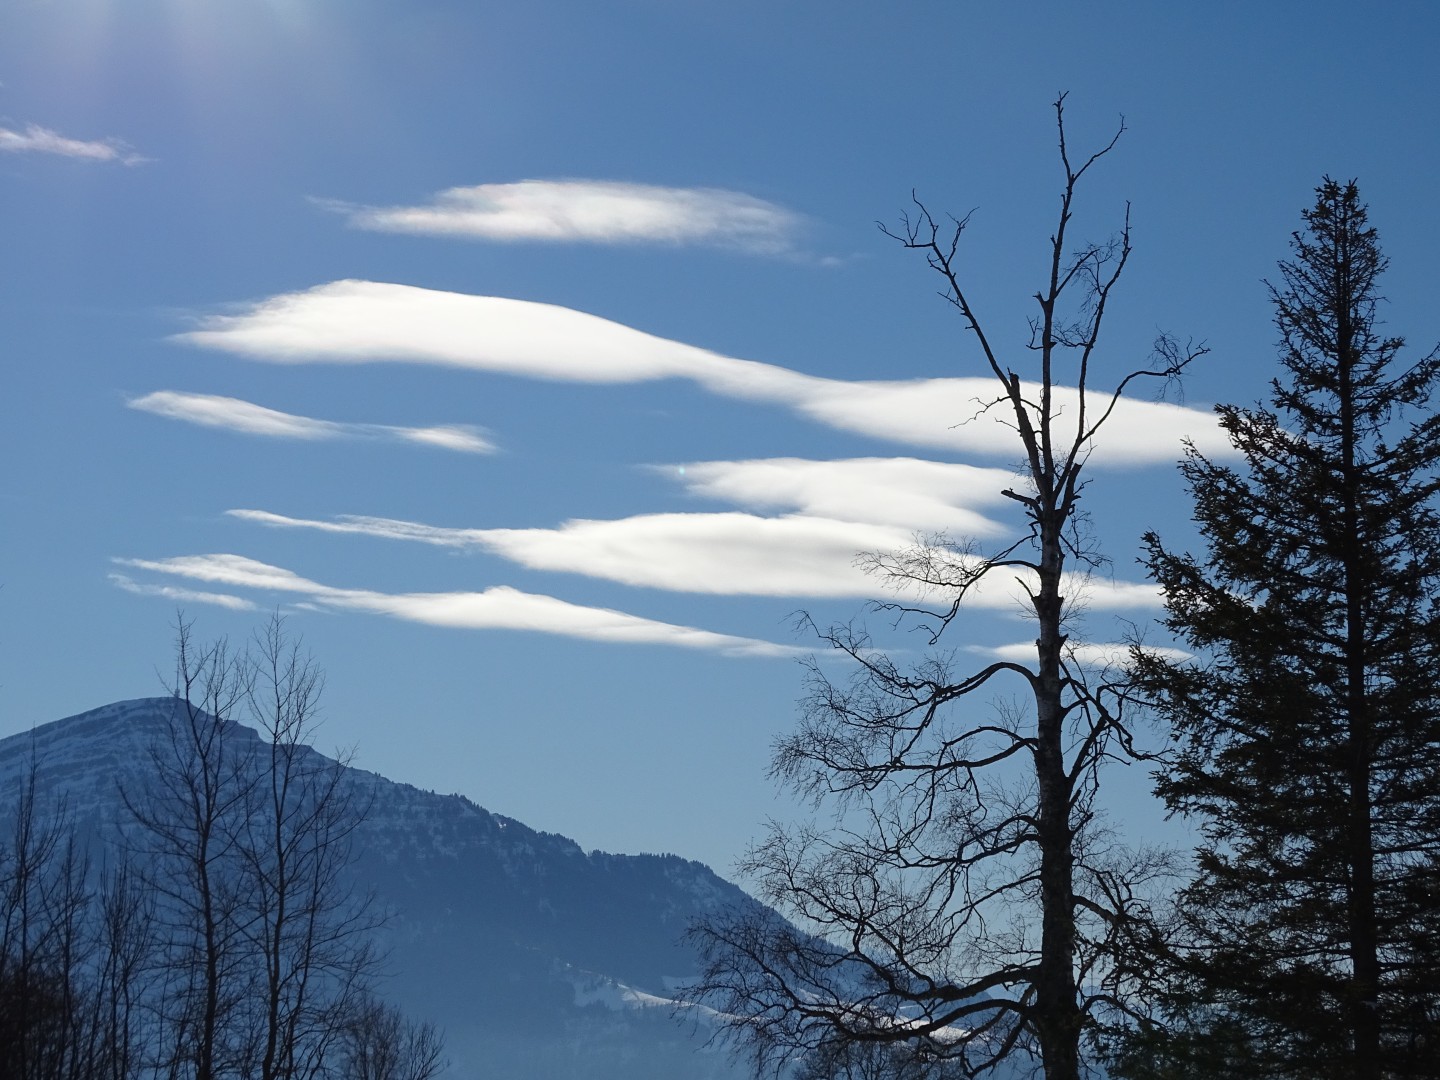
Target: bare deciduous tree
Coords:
[(968, 903), (269, 950), (228, 940), (60, 935), (37, 939), (198, 788), (126, 946), (314, 933), (381, 1044)]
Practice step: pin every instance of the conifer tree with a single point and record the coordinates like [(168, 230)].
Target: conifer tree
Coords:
[(1309, 726)]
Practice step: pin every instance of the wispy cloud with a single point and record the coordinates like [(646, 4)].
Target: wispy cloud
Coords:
[(835, 509), (1087, 654), (722, 554), (497, 608), (234, 414), (361, 321), (182, 596), (34, 139), (902, 492), (589, 211)]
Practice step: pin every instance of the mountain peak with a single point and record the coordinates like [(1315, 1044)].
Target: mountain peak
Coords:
[(495, 924)]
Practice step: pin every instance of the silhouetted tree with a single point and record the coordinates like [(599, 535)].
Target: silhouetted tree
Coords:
[(968, 903), (314, 933), (226, 939), (379, 1043), (267, 950), (44, 948), (1309, 727), (126, 951), (198, 792)]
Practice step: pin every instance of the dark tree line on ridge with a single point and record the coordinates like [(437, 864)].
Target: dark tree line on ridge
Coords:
[(217, 936), (968, 907)]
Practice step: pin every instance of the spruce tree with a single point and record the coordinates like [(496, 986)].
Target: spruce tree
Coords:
[(1308, 726)]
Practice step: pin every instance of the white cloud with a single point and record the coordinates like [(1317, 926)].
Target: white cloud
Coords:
[(724, 554), (233, 414), (361, 321), (841, 508), (1087, 654), (459, 437), (904, 493), (497, 608), (926, 412), (589, 211), (181, 596), (378, 527), (38, 140)]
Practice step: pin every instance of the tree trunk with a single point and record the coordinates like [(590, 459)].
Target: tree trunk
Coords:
[(1055, 996), (1364, 937)]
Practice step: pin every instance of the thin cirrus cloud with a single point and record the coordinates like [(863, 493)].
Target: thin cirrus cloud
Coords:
[(245, 417), (589, 211), (348, 322), (497, 608), (181, 595), (34, 139)]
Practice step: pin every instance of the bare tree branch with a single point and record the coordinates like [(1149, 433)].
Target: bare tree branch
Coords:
[(966, 903)]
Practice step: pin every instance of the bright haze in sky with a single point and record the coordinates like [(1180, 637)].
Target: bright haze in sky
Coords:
[(540, 361)]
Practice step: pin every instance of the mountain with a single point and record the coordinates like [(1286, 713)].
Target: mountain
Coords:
[(538, 959)]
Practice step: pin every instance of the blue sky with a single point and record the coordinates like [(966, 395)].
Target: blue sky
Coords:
[(540, 360)]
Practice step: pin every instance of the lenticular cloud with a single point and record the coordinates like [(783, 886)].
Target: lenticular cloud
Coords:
[(497, 608), (720, 554), (247, 418), (589, 211), (349, 322)]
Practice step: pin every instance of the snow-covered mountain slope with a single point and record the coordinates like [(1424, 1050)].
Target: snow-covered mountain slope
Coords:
[(537, 958)]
